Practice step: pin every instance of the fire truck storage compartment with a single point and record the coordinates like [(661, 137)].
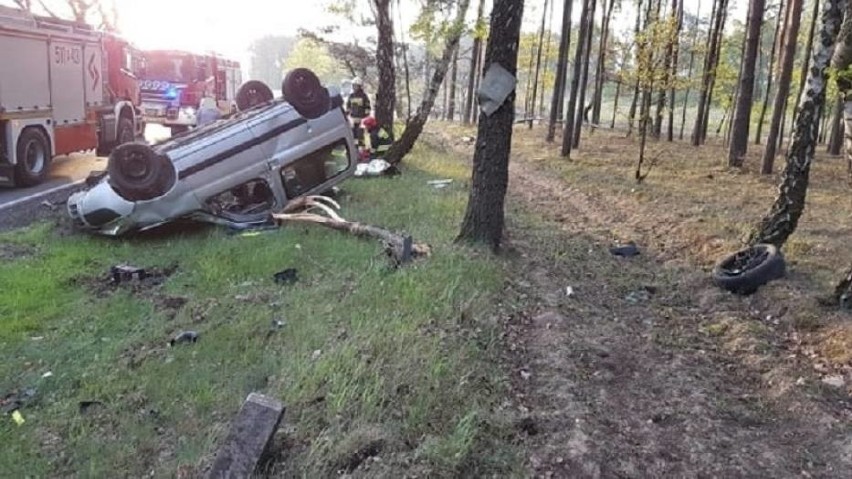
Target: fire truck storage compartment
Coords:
[(24, 80), (66, 78), (94, 75)]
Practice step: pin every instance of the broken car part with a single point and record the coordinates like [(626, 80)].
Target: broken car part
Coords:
[(746, 270)]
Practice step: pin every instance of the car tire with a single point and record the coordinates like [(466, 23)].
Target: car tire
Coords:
[(746, 270), (302, 89), (34, 157), (137, 173), (253, 93)]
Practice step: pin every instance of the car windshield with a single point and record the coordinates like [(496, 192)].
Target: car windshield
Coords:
[(174, 69)]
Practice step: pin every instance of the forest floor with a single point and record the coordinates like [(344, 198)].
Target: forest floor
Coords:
[(644, 368)]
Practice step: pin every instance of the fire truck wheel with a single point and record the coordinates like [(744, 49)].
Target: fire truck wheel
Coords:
[(302, 89), (33, 157), (253, 93), (125, 133), (137, 173)]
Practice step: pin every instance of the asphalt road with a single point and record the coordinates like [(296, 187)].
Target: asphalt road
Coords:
[(65, 173)]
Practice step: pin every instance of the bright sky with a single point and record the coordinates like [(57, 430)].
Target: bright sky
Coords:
[(229, 27)]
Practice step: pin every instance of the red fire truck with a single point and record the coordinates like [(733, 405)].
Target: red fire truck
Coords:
[(64, 87), (174, 82)]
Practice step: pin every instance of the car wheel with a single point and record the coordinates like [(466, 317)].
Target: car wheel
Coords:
[(34, 156), (137, 173), (302, 89), (746, 270), (253, 93)]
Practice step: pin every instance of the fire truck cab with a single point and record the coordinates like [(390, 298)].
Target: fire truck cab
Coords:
[(174, 82), (64, 87)]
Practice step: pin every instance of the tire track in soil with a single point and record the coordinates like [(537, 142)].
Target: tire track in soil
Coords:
[(617, 388)]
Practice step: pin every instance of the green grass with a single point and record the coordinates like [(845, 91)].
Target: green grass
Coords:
[(367, 354)]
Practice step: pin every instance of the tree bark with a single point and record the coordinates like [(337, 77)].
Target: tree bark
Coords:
[(667, 66), (809, 46), (581, 100), (414, 126), (538, 64), (631, 114), (691, 68), (779, 29), (546, 59), (678, 7), (794, 12), (386, 92), (784, 215), (615, 103), (742, 115), (451, 110), (600, 74), (561, 71), (484, 217), (568, 131), (709, 76), (835, 137), (469, 105)]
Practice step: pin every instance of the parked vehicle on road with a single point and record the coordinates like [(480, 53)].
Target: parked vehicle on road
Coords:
[(234, 171), (175, 82), (64, 87)]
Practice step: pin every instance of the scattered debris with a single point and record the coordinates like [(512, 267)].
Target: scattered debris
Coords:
[(439, 184), (288, 276), (836, 381), (636, 297), (316, 354), (468, 140), (17, 400), (123, 272), (47, 374), (184, 337), (88, 406), (278, 323), (18, 417), (377, 167), (47, 204), (399, 248), (525, 375), (569, 291), (250, 435), (627, 250)]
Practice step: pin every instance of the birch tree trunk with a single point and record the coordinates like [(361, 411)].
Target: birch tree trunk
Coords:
[(414, 125), (783, 217)]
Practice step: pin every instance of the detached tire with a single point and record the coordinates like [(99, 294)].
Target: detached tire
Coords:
[(253, 93), (137, 173), (746, 270), (34, 157), (302, 89)]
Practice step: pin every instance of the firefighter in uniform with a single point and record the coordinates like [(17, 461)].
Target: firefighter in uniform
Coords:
[(381, 139), (358, 107)]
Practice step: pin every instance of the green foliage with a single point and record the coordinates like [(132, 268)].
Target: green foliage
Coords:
[(310, 53), (403, 354), (651, 44)]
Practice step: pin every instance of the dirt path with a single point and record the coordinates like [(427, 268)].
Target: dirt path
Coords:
[(646, 369)]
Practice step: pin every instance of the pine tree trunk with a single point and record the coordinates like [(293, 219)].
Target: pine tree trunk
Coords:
[(469, 105), (386, 92), (561, 72), (667, 66), (615, 105), (451, 110), (414, 126), (568, 131), (484, 217), (779, 29), (631, 114), (690, 70), (784, 215), (677, 6), (538, 64), (700, 130), (581, 100), (794, 12), (600, 74), (742, 115), (546, 66), (835, 137)]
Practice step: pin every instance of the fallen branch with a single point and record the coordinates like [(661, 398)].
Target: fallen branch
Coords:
[(401, 249)]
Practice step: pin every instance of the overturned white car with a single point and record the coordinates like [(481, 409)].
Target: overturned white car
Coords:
[(234, 171)]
